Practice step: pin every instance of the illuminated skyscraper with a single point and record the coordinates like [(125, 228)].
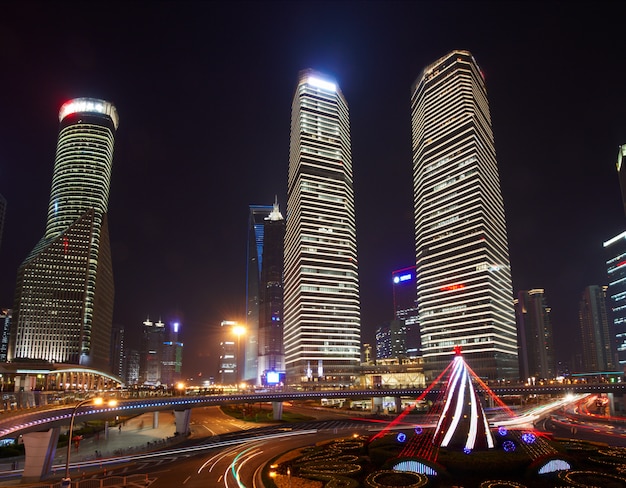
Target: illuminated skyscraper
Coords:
[(3, 207), (621, 172), (405, 307), (598, 345), (264, 324), (64, 293), (536, 342), (464, 290), (321, 294)]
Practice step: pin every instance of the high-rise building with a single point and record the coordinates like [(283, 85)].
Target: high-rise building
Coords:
[(535, 338), (153, 336), (3, 210), (464, 290), (64, 292), (266, 234), (391, 340), (172, 356), (6, 315), (616, 270), (598, 351), (621, 172), (118, 352), (322, 329), (405, 307)]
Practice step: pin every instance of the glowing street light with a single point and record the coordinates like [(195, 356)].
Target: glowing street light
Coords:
[(238, 330), (67, 481)]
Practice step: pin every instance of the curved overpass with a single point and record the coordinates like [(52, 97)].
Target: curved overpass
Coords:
[(37, 419)]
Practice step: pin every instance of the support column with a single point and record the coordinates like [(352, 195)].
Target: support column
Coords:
[(277, 410), (398, 402), (182, 421), (155, 419), (39, 448)]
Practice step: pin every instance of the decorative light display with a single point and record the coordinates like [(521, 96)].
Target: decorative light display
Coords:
[(508, 446), (502, 431), (418, 430), (529, 437), (401, 437)]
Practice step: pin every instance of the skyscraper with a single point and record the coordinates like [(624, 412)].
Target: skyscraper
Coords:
[(3, 209), (621, 172), (321, 287), (153, 337), (64, 292), (535, 338), (266, 234), (616, 271), (405, 307), (464, 290), (598, 350)]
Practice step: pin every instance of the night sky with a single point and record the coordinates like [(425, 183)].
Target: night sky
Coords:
[(204, 90)]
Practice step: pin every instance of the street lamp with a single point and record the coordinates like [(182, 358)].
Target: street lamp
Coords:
[(67, 481)]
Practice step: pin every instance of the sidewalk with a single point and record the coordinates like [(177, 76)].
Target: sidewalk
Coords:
[(136, 435)]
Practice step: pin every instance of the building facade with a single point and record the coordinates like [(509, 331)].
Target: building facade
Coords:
[(3, 211), (464, 290), (322, 331), (621, 172), (615, 249), (405, 307), (391, 341), (153, 337), (6, 314), (535, 338), (64, 291), (598, 350)]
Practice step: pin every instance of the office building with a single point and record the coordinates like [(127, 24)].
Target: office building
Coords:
[(405, 307), (64, 292), (172, 356), (598, 350), (391, 341), (153, 336), (3, 211), (266, 234), (6, 315), (615, 249), (535, 338), (322, 331), (118, 352), (621, 172), (464, 290)]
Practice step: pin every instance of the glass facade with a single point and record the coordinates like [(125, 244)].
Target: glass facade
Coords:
[(321, 288), (64, 292), (464, 289), (616, 270)]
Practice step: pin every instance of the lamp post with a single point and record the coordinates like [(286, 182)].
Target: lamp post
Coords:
[(67, 481)]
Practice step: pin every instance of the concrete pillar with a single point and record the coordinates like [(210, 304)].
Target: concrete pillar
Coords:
[(155, 420), (39, 448), (277, 410), (398, 402), (182, 421), (106, 429)]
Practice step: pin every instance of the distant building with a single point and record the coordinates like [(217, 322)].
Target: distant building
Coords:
[(172, 356), (464, 289), (322, 324), (367, 354), (133, 365), (64, 292), (598, 353), (3, 210), (391, 341), (616, 271), (621, 172), (535, 337), (405, 307), (152, 343), (264, 335), (227, 368), (5, 327), (118, 352)]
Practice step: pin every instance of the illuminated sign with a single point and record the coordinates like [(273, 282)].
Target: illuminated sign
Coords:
[(325, 85), (88, 105), (459, 286)]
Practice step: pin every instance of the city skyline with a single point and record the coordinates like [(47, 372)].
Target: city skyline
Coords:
[(183, 166)]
